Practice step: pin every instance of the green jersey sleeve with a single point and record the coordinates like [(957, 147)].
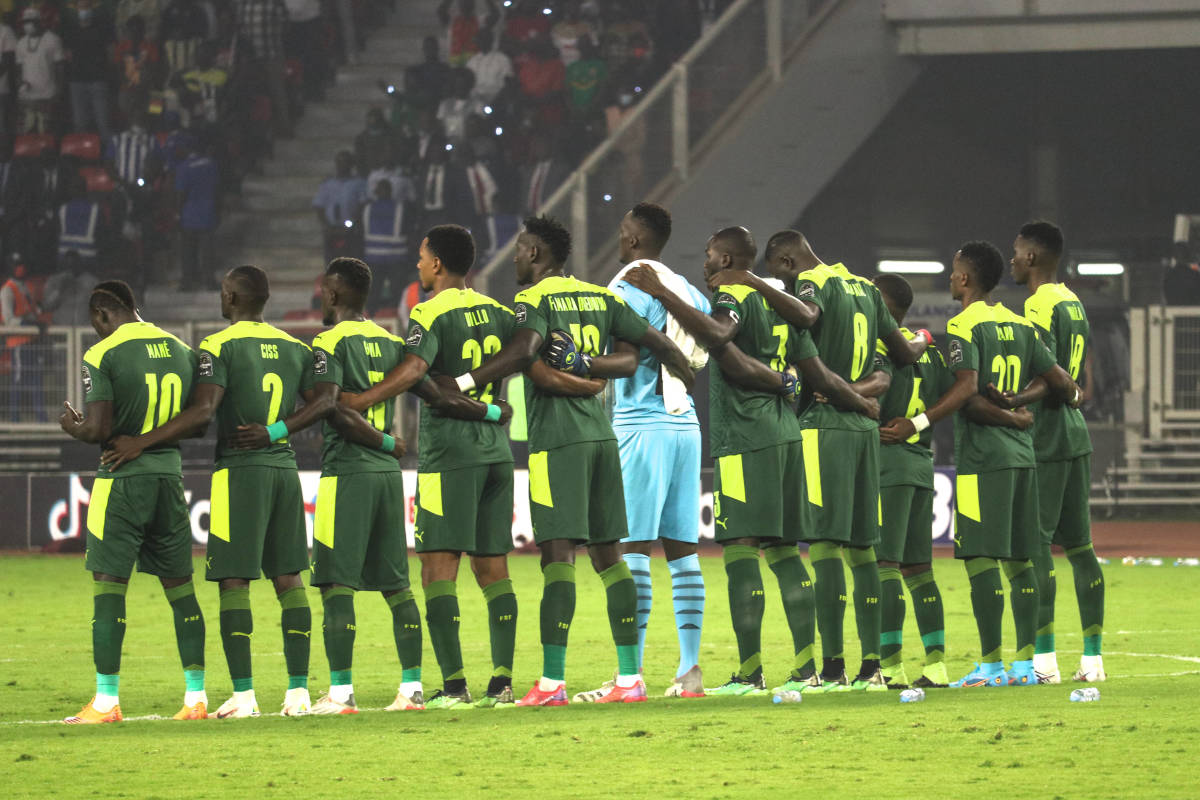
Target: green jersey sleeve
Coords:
[(97, 383), (326, 366), (423, 336), (963, 353), (212, 367), (882, 363), (1042, 359), (530, 315), (627, 324), (800, 345), (810, 290), (726, 299)]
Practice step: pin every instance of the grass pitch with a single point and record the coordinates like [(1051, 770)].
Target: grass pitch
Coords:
[(1140, 740)]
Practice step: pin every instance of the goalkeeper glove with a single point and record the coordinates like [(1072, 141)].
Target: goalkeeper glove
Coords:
[(791, 384), (562, 355)]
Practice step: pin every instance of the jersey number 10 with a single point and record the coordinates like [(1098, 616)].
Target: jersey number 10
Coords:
[(162, 404)]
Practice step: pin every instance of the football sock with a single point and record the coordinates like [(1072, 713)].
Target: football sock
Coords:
[(987, 601), (865, 570), (237, 626), (639, 567), (746, 602), (502, 626), (557, 611), (339, 629), (927, 608), (687, 593), (441, 612), (622, 615), (295, 618), (1089, 593), (1023, 595), (830, 593), (406, 630), (891, 613), (108, 630), (189, 633), (1043, 567), (799, 606), (107, 687)]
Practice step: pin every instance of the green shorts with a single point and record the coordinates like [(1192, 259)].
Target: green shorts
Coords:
[(841, 482), (256, 524), (358, 532), (906, 532), (1063, 489), (996, 515), (466, 510), (575, 492), (141, 519), (758, 494)]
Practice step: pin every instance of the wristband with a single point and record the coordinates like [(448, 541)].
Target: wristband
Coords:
[(388, 445), (465, 382), (928, 336), (920, 422), (1078, 394), (493, 413), (277, 430)]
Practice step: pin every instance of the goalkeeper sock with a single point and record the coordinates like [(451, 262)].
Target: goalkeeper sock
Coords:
[(891, 614), (1043, 567), (639, 567), (746, 603), (237, 626), (927, 608), (557, 611), (108, 633), (865, 570), (1089, 594), (502, 626), (189, 634), (339, 631), (1023, 596), (622, 615), (987, 601), (406, 630), (799, 606), (687, 593), (830, 592), (441, 612), (295, 619)]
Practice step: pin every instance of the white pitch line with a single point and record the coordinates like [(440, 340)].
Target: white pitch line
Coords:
[(1192, 659)]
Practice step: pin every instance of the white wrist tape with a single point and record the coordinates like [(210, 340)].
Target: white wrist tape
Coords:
[(465, 382), (920, 422)]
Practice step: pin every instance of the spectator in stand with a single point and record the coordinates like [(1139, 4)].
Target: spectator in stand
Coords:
[(304, 41), (403, 111), (197, 184), (385, 226), (492, 68), (542, 78), (8, 68), (68, 291), (338, 205), (454, 110), (127, 151), (403, 190), (483, 196), (445, 193), (430, 80), (626, 36), (429, 137), (624, 94), (376, 145), (40, 59), (464, 26), (202, 89), (525, 22), (25, 359), (544, 172), (148, 10), (183, 26), (585, 78), (31, 200), (260, 25), (80, 224), (138, 60), (89, 37), (569, 31)]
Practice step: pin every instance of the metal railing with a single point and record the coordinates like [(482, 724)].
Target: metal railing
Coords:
[(658, 142)]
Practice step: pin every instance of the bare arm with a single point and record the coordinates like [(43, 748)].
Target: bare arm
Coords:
[(402, 377), (979, 410), (874, 385), (516, 356), (744, 371), (833, 386), (443, 397), (319, 403), (902, 350), (205, 400), (93, 428), (668, 354), (795, 311), (965, 387), (353, 427), (563, 384), (709, 330), (620, 363)]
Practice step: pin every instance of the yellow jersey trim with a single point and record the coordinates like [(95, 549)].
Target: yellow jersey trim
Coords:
[(424, 314), (245, 330), (328, 340), (129, 332)]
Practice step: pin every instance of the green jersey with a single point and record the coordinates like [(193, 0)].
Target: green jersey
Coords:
[(356, 355), (453, 332), (591, 315), (261, 369), (1059, 431), (1005, 350), (913, 389), (853, 316), (744, 420), (147, 375)]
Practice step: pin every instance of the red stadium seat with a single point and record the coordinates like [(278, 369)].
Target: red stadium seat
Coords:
[(387, 312), (31, 145), (298, 314), (98, 179), (84, 146)]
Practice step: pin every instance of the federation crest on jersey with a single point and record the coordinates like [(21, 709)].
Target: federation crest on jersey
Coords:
[(415, 335), (205, 368), (956, 353), (87, 378), (522, 313), (320, 362)]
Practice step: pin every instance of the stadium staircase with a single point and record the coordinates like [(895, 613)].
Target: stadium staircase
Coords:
[(1157, 473)]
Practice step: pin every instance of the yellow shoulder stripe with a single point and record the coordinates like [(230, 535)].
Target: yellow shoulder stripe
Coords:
[(129, 332), (963, 323), (246, 330), (737, 291), (328, 340)]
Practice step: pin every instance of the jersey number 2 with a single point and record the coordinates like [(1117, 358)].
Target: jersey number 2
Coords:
[(474, 353)]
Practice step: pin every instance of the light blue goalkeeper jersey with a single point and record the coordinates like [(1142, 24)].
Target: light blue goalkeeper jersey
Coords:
[(638, 399)]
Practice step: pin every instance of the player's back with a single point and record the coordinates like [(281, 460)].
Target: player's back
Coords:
[(454, 332), (742, 420), (592, 315), (356, 355), (639, 398), (1059, 431), (262, 369), (147, 374), (913, 389), (853, 317)]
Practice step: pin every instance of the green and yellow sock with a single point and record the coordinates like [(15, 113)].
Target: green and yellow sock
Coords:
[(295, 619), (927, 608), (1089, 594), (987, 601), (746, 603), (1023, 596), (237, 627), (799, 605), (830, 593), (557, 611), (891, 614), (502, 625)]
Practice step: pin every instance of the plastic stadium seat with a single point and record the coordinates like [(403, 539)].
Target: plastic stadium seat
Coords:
[(387, 312), (98, 179), (84, 146), (31, 145)]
